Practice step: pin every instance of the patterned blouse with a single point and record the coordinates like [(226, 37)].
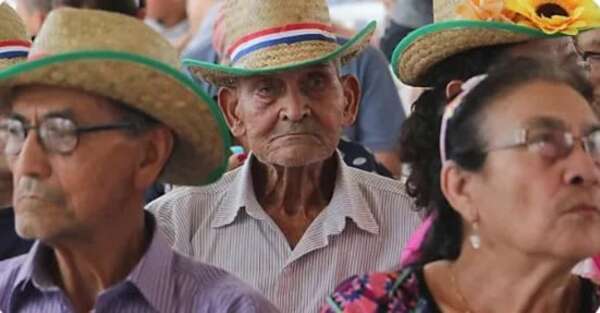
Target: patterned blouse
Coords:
[(406, 291)]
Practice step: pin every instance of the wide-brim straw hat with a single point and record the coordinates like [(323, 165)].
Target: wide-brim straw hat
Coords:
[(119, 57), (461, 25), (14, 43), (267, 36)]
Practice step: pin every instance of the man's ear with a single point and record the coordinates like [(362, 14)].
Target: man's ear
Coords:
[(351, 88), (456, 186), (228, 102), (158, 145)]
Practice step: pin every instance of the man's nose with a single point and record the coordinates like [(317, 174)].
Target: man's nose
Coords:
[(32, 160), (295, 105)]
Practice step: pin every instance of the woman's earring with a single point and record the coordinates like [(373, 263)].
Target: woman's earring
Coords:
[(474, 237)]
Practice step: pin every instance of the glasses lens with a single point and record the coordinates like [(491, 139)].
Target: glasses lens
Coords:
[(550, 144), (12, 134), (59, 134), (592, 144)]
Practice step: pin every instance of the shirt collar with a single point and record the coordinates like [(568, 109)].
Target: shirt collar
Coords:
[(34, 269), (152, 276), (240, 197), (348, 201)]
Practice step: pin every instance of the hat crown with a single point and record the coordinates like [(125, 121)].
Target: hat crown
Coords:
[(11, 25), (68, 30), (244, 17)]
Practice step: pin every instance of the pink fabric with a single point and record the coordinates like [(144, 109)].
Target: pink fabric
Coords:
[(412, 250), (596, 270)]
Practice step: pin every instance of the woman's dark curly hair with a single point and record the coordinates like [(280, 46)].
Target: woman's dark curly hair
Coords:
[(464, 144)]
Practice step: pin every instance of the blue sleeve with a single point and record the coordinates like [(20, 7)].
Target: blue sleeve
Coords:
[(380, 114), (201, 49)]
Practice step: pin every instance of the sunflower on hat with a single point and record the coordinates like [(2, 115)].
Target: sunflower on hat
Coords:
[(550, 16)]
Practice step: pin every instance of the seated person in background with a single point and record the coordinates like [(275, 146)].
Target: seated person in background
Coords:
[(33, 13), (169, 18), (517, 200), (94, 120), (127, 7), (300, 218), (12, 30)]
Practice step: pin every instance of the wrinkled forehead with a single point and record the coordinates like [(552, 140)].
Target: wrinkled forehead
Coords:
[(589, 40), (331, 68), (542, 104)]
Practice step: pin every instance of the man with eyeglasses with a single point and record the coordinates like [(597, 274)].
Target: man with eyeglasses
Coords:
[(12, 31), (94, 120), (587, 46)]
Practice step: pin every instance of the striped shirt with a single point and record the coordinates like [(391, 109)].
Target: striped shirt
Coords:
[(362, 229), (163, 281)]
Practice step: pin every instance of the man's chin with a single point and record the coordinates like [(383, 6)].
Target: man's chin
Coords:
[(299, 157)]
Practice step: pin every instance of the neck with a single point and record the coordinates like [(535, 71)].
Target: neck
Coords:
[(6, 190), (294, 196), (172, 20), (534, 283), (85, 268)]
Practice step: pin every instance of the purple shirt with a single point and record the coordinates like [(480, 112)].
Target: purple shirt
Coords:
[(163, 281)]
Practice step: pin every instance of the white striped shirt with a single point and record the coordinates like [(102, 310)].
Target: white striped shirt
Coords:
[(363, 229)]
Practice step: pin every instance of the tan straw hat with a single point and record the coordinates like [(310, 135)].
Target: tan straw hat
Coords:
[(265, 36), (121, 58), (461, 25), (14, 43)]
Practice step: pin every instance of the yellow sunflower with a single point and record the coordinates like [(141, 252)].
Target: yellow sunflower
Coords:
[(556, 16), (484, 10)]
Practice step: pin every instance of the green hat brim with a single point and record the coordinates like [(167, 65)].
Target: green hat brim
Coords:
[(426, 46), (96, 72), (218, 74)]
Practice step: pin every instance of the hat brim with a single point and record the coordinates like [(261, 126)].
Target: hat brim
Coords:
[(423, 48), (157, 89), (221, 75)]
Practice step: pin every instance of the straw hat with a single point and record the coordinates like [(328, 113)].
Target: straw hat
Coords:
[(121, 58), (14, 43), (266, 36), (461, 25)]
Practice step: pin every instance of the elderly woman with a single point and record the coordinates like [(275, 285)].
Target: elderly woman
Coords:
[(517, 201)]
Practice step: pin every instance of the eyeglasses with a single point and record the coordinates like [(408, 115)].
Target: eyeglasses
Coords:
[(57, 134), (588, 58), (554, 144)]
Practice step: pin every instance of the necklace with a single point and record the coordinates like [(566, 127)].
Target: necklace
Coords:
[(465, 307)]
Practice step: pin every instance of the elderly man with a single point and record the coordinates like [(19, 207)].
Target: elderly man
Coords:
[(294, 220), (13, 36), (94, 120), (378, 121)]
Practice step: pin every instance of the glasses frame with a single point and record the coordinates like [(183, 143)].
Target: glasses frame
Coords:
[(586, 57), (78, 131), (521, 140)]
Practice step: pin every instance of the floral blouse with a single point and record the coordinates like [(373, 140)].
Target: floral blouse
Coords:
[(406, 291)]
